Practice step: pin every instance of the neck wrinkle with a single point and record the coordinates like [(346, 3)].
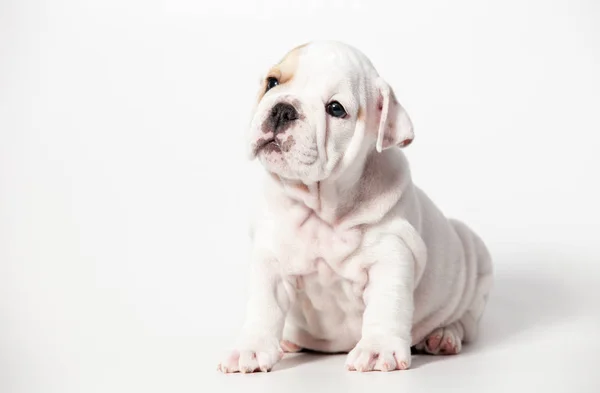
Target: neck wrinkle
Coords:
[(363, 194)]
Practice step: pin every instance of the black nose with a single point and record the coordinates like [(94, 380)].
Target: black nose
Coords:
[(282, 115)]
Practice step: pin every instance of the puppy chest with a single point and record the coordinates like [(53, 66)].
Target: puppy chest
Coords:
[(326, 290), (327, 267), (313, 247), (327, 305)]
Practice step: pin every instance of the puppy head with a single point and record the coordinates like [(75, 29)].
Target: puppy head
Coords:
[(322, 108)]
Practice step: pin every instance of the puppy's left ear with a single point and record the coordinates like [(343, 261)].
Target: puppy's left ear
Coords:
[(395, 127)]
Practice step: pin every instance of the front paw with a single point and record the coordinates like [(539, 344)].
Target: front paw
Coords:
[(252, 356), (379, 353)]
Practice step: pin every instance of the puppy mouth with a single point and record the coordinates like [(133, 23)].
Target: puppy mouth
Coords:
[(268, 145)]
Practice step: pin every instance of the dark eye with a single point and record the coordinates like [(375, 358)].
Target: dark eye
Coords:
[(271, 83), (335, 109)]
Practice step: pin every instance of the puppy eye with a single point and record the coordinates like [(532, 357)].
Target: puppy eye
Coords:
[(335, 109), (271, 83)]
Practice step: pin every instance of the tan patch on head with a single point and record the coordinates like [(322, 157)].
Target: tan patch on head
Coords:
[(361, 114), (284, 70)]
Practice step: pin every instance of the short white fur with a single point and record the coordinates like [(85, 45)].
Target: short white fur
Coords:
[(348, 255)]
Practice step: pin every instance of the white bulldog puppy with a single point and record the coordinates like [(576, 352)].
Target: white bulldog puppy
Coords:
[(348, 254)]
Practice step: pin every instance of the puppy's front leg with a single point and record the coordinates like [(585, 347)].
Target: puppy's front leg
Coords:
[(387, 319), (257, 347)]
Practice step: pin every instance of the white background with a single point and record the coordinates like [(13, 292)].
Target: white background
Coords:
[(123, 184)]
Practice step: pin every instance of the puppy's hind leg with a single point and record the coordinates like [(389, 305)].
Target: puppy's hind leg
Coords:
[(483, 286), (470, 319), (448, 340), (475, 250), (443, 341)]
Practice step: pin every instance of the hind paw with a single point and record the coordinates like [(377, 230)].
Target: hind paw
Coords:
[(443, 341)]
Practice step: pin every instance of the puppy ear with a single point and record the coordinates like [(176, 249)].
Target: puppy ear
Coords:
[(395, 127)]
